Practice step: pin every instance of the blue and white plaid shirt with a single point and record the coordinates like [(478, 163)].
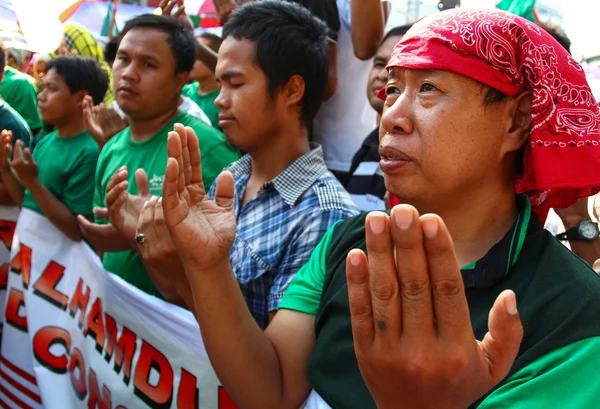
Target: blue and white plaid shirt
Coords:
[(279, 228)]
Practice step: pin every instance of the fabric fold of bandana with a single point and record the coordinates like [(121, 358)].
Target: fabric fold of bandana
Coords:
[(513, 55)]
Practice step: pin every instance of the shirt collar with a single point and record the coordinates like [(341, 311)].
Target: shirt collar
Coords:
[(294, 180), (499, 260)]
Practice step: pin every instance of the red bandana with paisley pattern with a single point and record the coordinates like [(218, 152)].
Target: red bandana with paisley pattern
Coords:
[(513, 55)]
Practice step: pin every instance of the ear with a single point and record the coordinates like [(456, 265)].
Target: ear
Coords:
[(519, 110), (181, 79), (294, 90), (79, 96)]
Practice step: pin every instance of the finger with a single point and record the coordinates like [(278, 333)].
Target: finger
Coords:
[(28, 157), (596, 266), (115, 193), (174, 148), (195, 155), (118, 177), (225, 190), (418, 317), (141, 180), (180, 129), (18, 151), (501, 344), (146, 226), (449, 299), (361, 310), (180, 11), (187, 168), (170, 192), (101, 212), (383, 279)]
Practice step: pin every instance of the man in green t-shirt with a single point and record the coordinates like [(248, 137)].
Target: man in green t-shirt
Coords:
[(153, 62), (20, 91), (484, 309), (57, 179), (204, 89)]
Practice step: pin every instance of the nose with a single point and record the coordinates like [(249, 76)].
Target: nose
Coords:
[(42, 95), (222, 101), (397, 118), (129, 72), (382, 75)]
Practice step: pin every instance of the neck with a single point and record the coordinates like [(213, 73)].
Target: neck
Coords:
[(207, 85), (144, 129), (73, 127), (483, 220), (280, 152)]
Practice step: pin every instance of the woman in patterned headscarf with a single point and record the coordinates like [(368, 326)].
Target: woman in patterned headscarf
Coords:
[(77, 40)]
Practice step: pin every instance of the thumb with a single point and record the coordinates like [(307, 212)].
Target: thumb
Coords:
[(501, 344), (224, 190), (101, 212), (597, 266), (141, 180)]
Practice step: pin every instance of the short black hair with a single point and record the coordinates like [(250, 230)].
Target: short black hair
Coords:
[(214, 41), (110, 49), (558, 33), (182, 41), (288, 40), (396, 31), (81, 73), (2, 57)]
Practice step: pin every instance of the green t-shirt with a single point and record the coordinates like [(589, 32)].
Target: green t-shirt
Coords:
[(558, 298), (66, 167), (151, 155), (205, 102), (20, 91)]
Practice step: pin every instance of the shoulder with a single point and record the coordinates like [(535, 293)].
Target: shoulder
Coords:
[(331, 195), (202, 129)]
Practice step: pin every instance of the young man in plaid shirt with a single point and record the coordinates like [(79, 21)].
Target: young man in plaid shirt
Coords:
[(273, 72)]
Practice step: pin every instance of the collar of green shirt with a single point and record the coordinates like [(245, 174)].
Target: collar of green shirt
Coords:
[(499, 260)]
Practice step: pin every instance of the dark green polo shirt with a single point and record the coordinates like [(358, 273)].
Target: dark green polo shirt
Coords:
[(558, 298)]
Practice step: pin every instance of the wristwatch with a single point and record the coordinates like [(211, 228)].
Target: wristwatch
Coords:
[(585, 230)]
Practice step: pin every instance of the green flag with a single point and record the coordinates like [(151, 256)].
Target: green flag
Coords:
[(107, 20), (523, 8)]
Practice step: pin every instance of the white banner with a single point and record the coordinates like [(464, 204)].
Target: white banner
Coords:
[(76, 336), (8, 222)]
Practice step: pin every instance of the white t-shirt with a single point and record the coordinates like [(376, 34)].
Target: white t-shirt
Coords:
[(345, 120)]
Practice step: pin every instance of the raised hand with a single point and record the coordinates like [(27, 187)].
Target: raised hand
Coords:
[(123, 208), (5, 150), (24, 164), (410, 321), (224, 8), (101, 122), (167, 7), (202, 230)]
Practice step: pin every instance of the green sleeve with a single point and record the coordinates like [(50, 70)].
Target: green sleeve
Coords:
[(566, 378), (217, 155), (304, 292), (79, 192), (22, 96)]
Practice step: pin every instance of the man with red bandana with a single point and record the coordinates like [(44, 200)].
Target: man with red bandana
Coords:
[(457, 298)]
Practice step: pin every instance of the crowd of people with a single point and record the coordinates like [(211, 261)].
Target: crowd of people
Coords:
[(339, 248)]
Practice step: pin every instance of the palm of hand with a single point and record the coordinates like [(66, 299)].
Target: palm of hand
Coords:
[(202, 227), (126, 217)]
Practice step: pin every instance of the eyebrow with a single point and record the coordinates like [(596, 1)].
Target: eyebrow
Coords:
[(228, 75), (143, 56), (379, 59)]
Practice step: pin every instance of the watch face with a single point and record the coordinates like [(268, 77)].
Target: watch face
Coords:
[(588, 230)]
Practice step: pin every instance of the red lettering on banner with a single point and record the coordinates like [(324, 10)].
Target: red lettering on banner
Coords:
[(43, 340), (187, 396), (16, 300), (78, 381), (7, 231), (94, 398), (79, 301), (123, 349), (45, 286), (3, 277), (94, 325), (225, 401), (159, 396), (21, 264)]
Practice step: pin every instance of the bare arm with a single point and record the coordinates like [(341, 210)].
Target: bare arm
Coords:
[(11, 191), (55, 210), (587, 250), (367, 27), (207, 56), (259, 370)]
